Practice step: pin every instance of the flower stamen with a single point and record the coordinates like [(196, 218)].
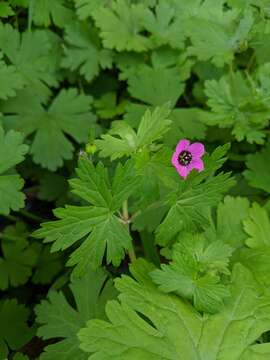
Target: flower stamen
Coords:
[(185, 158)]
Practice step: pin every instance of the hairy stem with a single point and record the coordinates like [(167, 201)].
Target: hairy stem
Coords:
[(131, 252)]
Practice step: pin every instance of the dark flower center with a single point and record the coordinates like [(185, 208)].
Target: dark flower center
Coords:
[(184, 158)]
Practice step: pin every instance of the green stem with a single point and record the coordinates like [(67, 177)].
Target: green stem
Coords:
[(131, 252), (11, 217), (231, 68), (251, 62), (125, 210), (30, 14), (137, 213), (31, 216)]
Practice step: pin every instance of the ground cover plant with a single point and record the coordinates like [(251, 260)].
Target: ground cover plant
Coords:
[(134, 179)]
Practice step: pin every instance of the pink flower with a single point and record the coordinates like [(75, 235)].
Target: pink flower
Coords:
[(188, 157)]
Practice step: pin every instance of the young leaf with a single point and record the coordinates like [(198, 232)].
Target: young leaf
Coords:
[(97, 220), (186, 122), (68, 114), (154, 124), (12, 152), (59, 319), (124, 144), (145, 323), (194, 272)]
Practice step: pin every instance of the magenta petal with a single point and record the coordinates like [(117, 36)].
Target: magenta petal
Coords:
[(196, 164), (182, 145), (196, 149), (175, 159), (182, 171)]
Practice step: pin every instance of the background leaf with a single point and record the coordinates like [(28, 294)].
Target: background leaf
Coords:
[(61, 320)]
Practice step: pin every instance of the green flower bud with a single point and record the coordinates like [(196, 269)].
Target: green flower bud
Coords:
[(90, 148)]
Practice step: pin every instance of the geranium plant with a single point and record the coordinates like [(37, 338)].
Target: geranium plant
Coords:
[(134, 180)]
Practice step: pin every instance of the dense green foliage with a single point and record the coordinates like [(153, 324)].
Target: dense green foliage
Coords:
[(105, 251)]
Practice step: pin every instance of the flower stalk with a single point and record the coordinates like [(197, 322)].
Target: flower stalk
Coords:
[(126, 220)]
